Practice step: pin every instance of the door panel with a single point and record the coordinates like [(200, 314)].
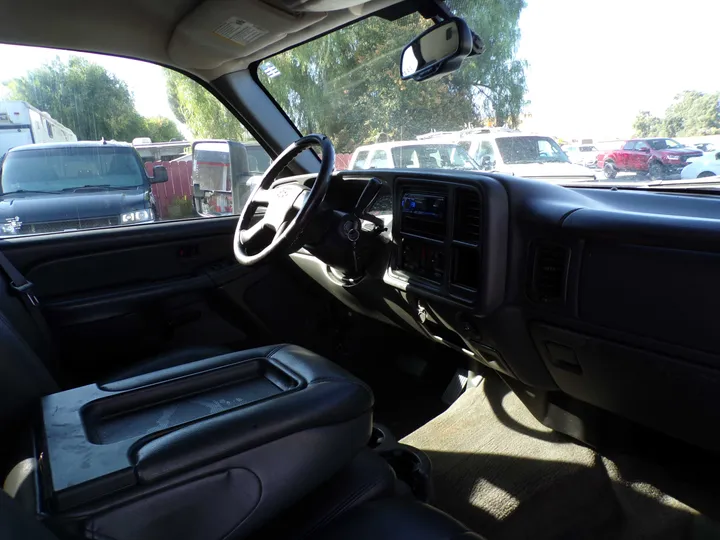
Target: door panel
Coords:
[(113, 297)]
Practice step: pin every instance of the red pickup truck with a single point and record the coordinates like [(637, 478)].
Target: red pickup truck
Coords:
[(657, 157)]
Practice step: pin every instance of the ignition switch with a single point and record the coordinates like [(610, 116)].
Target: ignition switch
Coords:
[(422, 312)]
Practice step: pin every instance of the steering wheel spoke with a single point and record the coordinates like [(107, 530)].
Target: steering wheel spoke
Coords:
[(262, 196), (248, 236)]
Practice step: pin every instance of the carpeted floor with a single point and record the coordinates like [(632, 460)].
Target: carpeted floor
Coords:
[(508, 477)]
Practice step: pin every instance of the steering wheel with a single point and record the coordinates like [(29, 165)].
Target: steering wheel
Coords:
[(289, 207)]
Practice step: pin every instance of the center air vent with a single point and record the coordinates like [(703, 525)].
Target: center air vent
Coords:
[(549, 273), (467, 216)]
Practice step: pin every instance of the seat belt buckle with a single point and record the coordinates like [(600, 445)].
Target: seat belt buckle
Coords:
[(26, 289)]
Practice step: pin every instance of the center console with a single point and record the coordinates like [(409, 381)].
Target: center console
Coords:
[(210, 449), (451, 240)]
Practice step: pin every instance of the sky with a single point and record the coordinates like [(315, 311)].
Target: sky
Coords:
[(592, 64), (146, 81)]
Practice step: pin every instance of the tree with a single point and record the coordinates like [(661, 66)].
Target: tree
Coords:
[(691, 114), (347, 83), (88, 99), (159, 128), (647, 125), (200, 111)]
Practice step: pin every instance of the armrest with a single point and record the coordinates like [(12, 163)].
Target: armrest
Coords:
[(153, 426)]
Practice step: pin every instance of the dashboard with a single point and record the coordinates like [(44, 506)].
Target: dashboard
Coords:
[(606, 296)]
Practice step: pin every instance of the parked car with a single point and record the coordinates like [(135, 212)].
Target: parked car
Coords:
[(68, 186), (436, 154), (585, 154), (702, 167), (519, 154), (705, 146), (657, 156)]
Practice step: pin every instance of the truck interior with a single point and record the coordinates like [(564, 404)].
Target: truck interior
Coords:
[(370, 354)]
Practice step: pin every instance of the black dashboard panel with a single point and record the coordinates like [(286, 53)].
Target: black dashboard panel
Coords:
[(608, 295)]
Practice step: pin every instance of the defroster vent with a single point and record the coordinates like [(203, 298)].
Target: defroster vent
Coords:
[(549, 273)]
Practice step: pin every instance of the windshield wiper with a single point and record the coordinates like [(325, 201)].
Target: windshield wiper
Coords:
[(96, 186), (20, 191)]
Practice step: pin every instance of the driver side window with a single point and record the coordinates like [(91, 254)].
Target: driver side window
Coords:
[(166, 149)]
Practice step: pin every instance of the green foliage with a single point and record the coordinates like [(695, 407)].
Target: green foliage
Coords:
[(691, 114), (647, 125), (200, 111), (159, 128), (86, 98), (347, 84)]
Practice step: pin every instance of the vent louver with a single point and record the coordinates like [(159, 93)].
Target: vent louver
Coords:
[(549, 273), (467, 216)]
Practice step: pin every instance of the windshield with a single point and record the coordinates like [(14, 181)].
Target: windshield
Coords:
[(433, 156), (347, 85), (69, 168), (664, 144), (530, 150)]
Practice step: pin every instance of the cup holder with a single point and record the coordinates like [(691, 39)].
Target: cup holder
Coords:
[(413, 467), (381, 438)]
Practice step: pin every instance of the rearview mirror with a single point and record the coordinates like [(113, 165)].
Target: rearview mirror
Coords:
[(220, 177), (160, 174), (438, 51)]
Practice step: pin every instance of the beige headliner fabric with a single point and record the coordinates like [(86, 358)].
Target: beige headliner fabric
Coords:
[(141, 29)]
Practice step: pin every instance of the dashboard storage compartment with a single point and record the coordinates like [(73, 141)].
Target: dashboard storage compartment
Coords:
[(209, 449)]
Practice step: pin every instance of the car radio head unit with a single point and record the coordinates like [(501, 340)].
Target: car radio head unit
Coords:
[(423, 205)]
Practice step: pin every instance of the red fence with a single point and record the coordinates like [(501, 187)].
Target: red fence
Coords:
[(174, 197), (342, 161)]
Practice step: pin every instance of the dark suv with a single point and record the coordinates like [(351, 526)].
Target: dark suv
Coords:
[(70, 186)]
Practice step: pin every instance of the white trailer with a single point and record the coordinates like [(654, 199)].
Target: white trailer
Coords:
[(21, 123)]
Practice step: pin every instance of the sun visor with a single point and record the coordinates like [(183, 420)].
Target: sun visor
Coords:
[(221, 30)]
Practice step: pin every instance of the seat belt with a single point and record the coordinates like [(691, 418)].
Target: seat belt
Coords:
[(24, 288)]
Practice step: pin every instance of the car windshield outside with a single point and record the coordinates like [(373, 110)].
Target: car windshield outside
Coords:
[(347, 85), (65, 169), (664, 144), (433, 156), (530, 149)]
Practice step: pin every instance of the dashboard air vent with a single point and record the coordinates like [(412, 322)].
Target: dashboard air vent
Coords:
[(549, 273), (467, 216)]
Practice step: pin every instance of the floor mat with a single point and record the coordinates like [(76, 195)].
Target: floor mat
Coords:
[(505, 475)]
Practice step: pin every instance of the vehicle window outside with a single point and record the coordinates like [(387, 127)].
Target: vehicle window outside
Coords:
[(530, 149), (361, 159), (347, 85), (379, 160), (83, 135), (629, 145)]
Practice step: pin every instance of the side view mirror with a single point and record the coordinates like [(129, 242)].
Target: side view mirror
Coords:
[(438, 51), (160, 175), (220, 174), (717, 156), (646, 150)]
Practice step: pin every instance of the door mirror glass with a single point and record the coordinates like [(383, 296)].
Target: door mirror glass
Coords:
[(160, 174), (437, 51), (221, 177)]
